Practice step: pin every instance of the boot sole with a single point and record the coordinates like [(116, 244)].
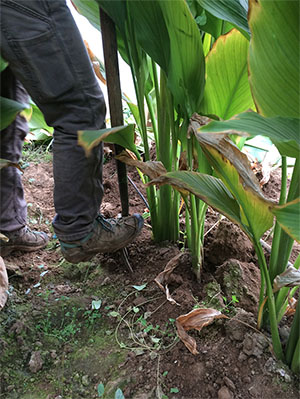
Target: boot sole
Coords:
[(5, 251)]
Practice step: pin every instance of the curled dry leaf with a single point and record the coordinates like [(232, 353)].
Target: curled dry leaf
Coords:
[(196, 319), (289, 278), (153, 169), (163, 278), (3, 284)]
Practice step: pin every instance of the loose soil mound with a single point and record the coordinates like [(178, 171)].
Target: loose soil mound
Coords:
[(67, 329)]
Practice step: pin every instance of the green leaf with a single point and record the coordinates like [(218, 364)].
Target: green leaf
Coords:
[(89, 9), (119, 394), (139, 287), (186, 67), (227, 90), (288, 216), (122, 135), (100, 390), (274, 57), (114, 314), (210, 189), (9, 110), (37, 120), (174, 390), (96, 304), (151, 30), (233, 11), (284, 132), (3, 64)]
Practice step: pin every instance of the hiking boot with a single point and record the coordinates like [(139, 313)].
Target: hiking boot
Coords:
[(108, 235), (23, 240)]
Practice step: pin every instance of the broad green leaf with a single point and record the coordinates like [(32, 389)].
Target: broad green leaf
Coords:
[(3, 64), (233, 11), (227, 90), (284, 132), (233, 167), (116, 9), (151, 30), (288, 216), (121, 135), (274, 57), (4, 163), (186, 67), (9, 110), (89, 9), (37, 120), (210, 189)]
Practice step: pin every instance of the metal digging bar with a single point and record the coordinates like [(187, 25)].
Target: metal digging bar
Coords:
[(109, 41)]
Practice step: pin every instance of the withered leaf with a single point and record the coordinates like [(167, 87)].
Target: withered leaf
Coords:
[(153, 169), (163, 278), (196, 319), (289, 278)]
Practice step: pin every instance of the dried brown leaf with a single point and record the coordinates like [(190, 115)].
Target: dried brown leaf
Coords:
[(196, 319), (163, 278), (3, 284), (153, 169), (289, 278)]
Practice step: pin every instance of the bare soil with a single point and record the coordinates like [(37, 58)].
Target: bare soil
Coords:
[(54, 345)]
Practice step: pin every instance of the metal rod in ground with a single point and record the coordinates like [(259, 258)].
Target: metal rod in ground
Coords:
[(138, 191), (109, 41)]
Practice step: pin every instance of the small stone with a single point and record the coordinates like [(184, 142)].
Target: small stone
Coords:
[(53, 354), (242, 357), (10, 388), (229, 383), (247, 379), (85, 380), (35, 362), (224, 393)]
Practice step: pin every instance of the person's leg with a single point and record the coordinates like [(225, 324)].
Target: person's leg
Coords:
[(13, 208), (13, 214), (46, 53)]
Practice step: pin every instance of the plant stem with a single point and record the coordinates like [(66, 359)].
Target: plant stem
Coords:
[(271, 301), (277, 231), (293, 341)]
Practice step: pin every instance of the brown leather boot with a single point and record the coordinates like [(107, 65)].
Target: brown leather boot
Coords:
[(108, 235), (23, 240)]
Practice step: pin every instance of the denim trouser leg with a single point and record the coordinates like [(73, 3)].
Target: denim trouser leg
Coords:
[(43, 46), (13, 213)]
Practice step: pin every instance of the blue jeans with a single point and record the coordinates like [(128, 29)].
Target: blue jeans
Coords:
[(46, 54)]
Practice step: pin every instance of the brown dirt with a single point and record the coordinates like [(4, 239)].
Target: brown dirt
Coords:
[(234, 360)]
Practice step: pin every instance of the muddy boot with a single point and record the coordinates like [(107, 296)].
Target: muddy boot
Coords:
[(108, 235), (23, 240)]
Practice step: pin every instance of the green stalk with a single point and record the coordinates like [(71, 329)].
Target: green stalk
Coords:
[(292, 347), (281, 298), (271, 301), (286, 242), (134, 63), (295, 366), (277, 231), (152, 116)]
